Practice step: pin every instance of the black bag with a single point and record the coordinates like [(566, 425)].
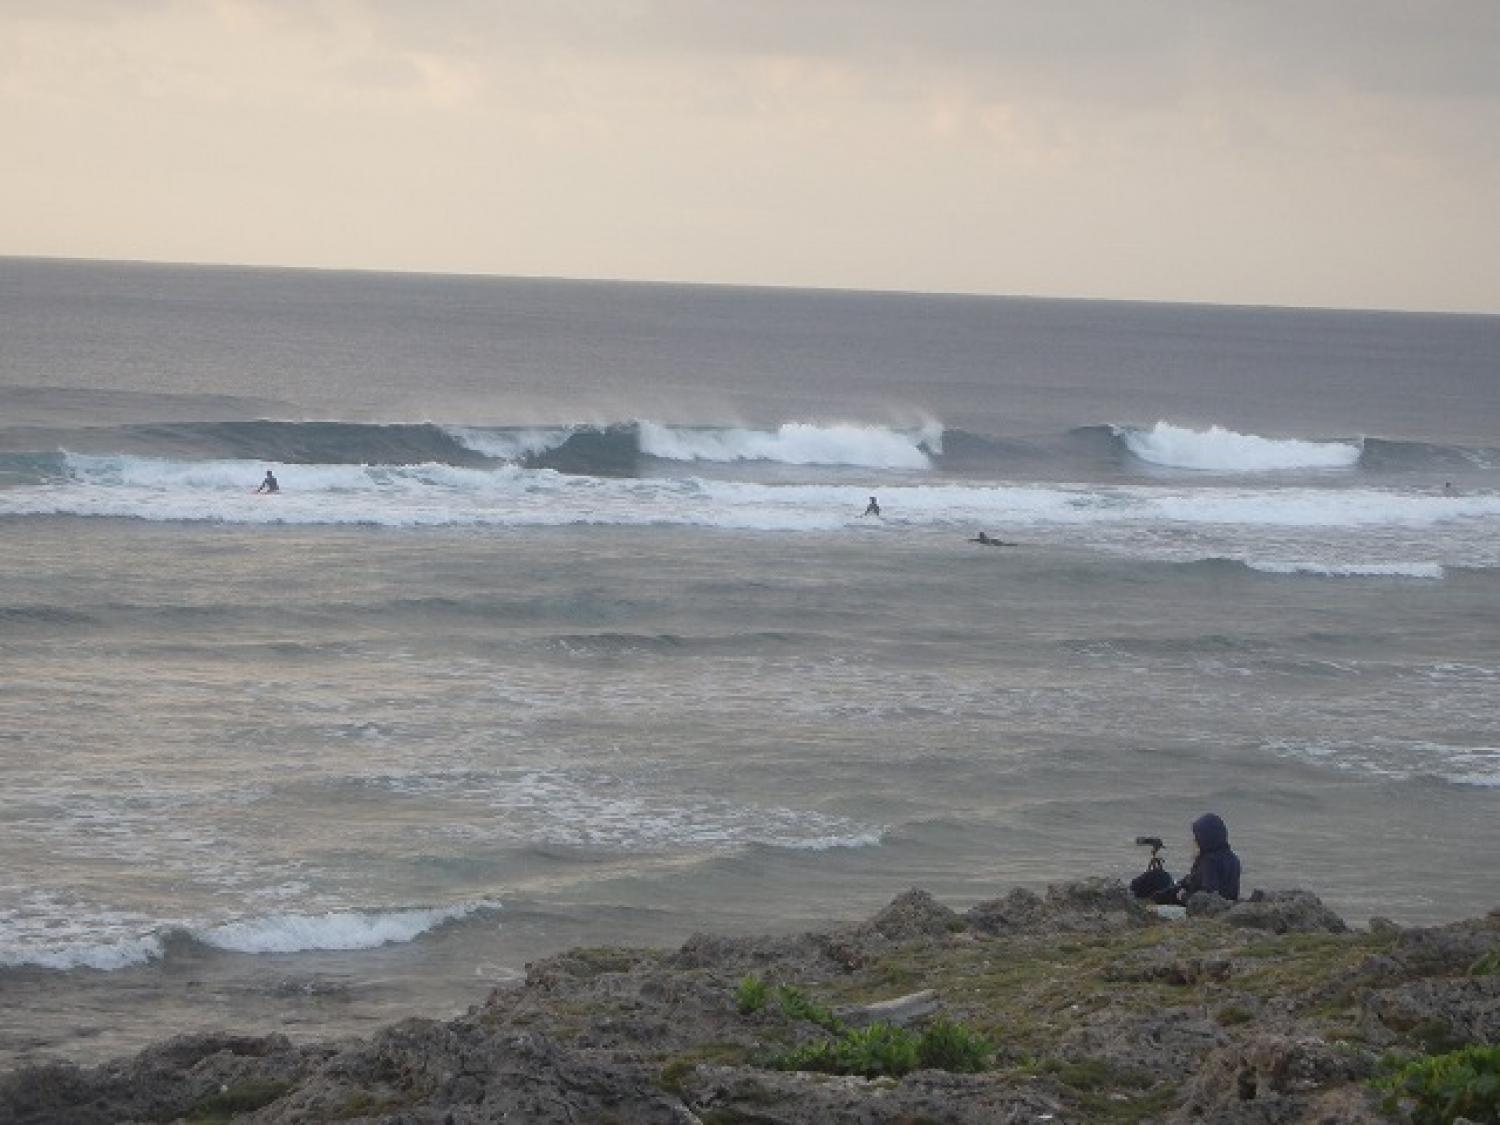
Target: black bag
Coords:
[(1152, 882)]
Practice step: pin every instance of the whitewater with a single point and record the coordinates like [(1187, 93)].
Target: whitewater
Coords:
[(567, 625)]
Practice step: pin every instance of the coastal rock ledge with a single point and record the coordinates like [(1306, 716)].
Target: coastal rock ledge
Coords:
[(1089, 1005)]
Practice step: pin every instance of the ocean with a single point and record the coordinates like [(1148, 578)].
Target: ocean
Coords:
[(566, 625)]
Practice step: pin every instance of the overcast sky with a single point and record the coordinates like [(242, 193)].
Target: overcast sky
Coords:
[(1308, 152)]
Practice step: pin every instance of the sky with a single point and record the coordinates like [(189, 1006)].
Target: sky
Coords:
[(1341, 153)]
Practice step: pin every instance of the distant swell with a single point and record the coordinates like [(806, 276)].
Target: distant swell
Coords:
[(1349, 570)]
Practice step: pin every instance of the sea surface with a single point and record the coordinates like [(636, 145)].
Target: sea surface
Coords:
[(566, 626)]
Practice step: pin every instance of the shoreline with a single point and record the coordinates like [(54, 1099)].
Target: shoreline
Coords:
[(1089, 1006)]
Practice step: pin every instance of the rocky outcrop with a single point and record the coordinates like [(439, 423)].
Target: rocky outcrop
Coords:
[(1267, 1012)]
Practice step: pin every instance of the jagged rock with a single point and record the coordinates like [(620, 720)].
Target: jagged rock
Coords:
[(1273, 1079), (916, 914), (165, 1081), (1085, 906), (459, 1072), (1018, 910), (1448, 1013), (1283, 912), (771, 1098), (1206, 905), (1157, 1043)]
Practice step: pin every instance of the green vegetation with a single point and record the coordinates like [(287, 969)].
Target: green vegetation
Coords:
[(1486, 966), (946, 1045), (798, 1005), (752, 994), (243, 1098), (1437, 1089), (880, 1049), (884, 1049)]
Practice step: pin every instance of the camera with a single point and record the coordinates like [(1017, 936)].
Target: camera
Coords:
[(1152, 842)]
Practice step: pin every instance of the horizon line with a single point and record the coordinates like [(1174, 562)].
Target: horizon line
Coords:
[(769, 286)]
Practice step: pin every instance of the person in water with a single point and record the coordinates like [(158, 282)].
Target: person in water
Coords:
[(269, 484), (989, 540), (871, 509), (1216, 869)]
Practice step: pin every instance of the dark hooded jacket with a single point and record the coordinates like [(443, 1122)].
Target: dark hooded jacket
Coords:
[(1217, 868)]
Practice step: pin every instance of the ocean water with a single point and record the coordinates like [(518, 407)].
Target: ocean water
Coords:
[(566, 625)]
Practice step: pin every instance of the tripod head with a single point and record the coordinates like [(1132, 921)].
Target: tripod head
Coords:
[(1156, 846)]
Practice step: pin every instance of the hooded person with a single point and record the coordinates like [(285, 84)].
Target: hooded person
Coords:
[(1216, 868)]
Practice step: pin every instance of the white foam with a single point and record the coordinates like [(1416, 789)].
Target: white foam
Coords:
[(1402, 761), (106, 956), (509, 445), (350, 929), (795, 443), (433, 495), (1217, 449), (589, 809), (1349, 570), (335, 930)]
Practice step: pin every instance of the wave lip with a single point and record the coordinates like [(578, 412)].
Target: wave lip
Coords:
[(336, 930), (105, 956), (794, 443), (1217, 449), (1425, 570)]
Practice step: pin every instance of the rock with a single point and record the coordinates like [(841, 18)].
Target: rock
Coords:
[(1018, 910), (1283, 912), (1206, 905), (168, 1080), (916, 914), (1446, 1013), (1156, 1043), (900, 1011), (1381, 925), (1276, 1078), (1096, 905)]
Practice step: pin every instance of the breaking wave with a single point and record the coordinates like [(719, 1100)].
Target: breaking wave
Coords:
[(511, 495), (1217, 449), (796, 443), (337, 930), (276, 933)]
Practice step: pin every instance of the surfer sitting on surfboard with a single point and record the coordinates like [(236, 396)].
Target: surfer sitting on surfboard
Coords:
[(269, 484), (990, 541), (871, 509)]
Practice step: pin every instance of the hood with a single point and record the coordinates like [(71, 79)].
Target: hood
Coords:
[(1211, 832)]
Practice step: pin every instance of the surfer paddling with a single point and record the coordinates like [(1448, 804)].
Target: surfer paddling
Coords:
[(990, 541), (268, 485)]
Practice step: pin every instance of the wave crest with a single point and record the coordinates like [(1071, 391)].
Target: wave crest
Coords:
[(795, 443), (1217, 449)]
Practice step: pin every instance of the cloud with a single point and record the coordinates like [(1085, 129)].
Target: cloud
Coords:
[(1327, 152)]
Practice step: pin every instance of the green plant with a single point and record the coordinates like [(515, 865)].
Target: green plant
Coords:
[(946, 1045), (1487, 965), (242, 1098), (800, 1006), (884, 1049), (752, 994), (869, 1052), (1439, 1088)]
